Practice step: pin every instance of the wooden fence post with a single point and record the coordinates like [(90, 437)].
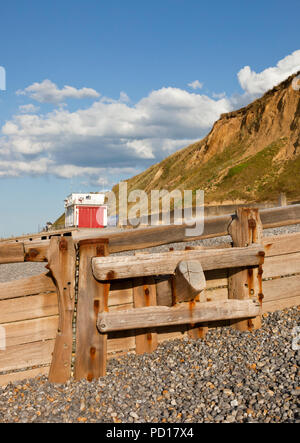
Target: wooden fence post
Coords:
[(199, 330), (144, 294), (62, 264), (282, 201), (245, 230), (91, 345)]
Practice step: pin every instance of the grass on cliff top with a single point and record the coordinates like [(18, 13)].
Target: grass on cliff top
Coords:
[(259, 177)]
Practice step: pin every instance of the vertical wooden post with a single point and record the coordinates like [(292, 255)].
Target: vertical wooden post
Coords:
[(201, 329), (246, 229), (144, 294), (62, 264), (282, 199), (91, 345)]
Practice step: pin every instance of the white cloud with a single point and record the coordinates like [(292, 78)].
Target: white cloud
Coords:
[(115, 139), (219, 95), (108, 138), (258, 83), (124, 97), (48, 92), (27, 109), (196, 85)]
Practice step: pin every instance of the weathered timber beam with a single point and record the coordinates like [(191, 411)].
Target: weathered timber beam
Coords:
[(37, 251), (159, 235), (213, 227), (165, 263), (281, 216), (183, 313), (281, 244), (11, 253)]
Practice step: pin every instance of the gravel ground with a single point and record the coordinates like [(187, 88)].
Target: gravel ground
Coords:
[(228, 377)]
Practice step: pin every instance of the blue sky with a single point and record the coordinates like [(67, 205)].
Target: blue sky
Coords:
[(97, 91)]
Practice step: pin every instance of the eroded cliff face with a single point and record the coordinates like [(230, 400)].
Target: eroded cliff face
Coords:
[(274, 116), (250, 155)]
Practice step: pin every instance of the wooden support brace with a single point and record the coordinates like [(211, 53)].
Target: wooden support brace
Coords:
[(62, 264), (91, 347), (246, 229), (165, 263), (182, 313), (199, 330), (144, 294)]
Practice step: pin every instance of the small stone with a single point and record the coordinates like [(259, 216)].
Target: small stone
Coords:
[(134, 415), (230, 418)]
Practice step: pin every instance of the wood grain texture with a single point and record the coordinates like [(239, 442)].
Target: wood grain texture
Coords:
[(283, 303), (281, 244), (182, 313), (62, 263), (135, 239), (37, 251), (141, 238), (30, 331), (281, 288), (12, 377), (27, 286), (26, 355), (281, 265), (189, 280), (144, 294), (245, 230), (280, 216), (11, 253), (91, 346), (120, 293), (164, 263), (27, 308)]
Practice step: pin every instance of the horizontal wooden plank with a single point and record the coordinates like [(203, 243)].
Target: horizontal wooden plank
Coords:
[(12, 377), (27, 308), (183, 313), (278, 305), (141, 238), (281, 244), (118, 342), (216, 278), (26, 355), (281, 265), (280, 288), (45, 235), (118, 267), (216, 294), (36, 251), (120, 307), (166, 333), (27, 286), (30, 331), (280, 216), (159, 235), (11, 253), (155, 236), (120, 293)]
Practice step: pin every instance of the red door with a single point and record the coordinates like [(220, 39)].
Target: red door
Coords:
[(91, 217)]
